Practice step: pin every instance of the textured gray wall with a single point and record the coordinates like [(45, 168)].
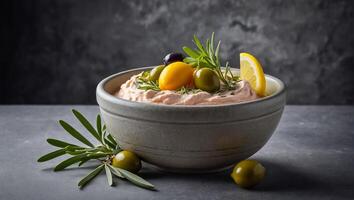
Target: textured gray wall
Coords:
[(56, 51)]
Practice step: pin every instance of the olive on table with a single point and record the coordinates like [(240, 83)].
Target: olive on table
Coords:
[(173, 57), (248, 173), (155, 73), (127, 160), (207, 80)]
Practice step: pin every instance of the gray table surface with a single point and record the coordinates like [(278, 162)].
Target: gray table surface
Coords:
[(310, 156)]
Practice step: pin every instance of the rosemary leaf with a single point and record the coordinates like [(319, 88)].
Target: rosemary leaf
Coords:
[(66, 163), (208, 57), (137, 180), (59, 143), (108, 174), (212, 42), (190, 52), (98, 155), (198, 43), (75, 133), (51, 155), (217, 51), (86, 124), (90, 176)]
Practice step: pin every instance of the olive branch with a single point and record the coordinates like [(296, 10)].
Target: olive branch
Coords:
[(102, 153)]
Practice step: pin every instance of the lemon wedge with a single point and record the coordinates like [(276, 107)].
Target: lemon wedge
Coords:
[(251, 71)]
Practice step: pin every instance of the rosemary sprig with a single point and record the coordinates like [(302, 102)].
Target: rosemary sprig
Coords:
[(207, 56), (187, 90), (144, 83), (102, 153), (203, 56)]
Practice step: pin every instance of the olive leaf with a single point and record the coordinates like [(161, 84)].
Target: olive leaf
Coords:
[(86, 124), (198, 43), (59, 143), (111, 139), (90, 176), (115, 171), (137, 180), (83, 161), (108, 174), (99, 125), (66, 163), (102, 153), (51, 155), (75, 133)]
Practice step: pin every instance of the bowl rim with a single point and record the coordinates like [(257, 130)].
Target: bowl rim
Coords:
[(100, 92)]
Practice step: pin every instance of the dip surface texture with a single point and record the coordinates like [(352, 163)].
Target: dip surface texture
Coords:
[(129, 91)]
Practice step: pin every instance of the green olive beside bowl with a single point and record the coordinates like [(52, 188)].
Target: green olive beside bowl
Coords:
[(127, 160), (248, 173)]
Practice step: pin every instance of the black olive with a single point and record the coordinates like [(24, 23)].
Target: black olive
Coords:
[(173, 57)]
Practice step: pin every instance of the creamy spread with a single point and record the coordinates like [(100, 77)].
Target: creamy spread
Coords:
[(242, 92)]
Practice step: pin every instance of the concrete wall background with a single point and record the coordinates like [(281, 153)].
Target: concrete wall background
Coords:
[(57, 51)]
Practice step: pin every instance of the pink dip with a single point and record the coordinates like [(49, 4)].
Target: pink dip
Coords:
[(129, 91)]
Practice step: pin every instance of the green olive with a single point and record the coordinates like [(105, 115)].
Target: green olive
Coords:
[(155, 73), (127, 160), (207, 80), (248, 173)]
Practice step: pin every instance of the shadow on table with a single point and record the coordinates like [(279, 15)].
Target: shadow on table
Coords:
[(285, 178), (279, 178)]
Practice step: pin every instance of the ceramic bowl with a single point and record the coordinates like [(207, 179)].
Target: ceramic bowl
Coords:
[(190, 138)]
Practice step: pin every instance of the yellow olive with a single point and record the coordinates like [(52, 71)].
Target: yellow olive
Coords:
[(248, 173), (127, 160), (155, 73), (175, 75)]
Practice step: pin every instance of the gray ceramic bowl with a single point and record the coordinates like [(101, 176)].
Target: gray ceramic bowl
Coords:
[(190, 138)]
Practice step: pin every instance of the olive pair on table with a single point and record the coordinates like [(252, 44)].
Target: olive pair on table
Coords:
[(175, 74), (246, 173)]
